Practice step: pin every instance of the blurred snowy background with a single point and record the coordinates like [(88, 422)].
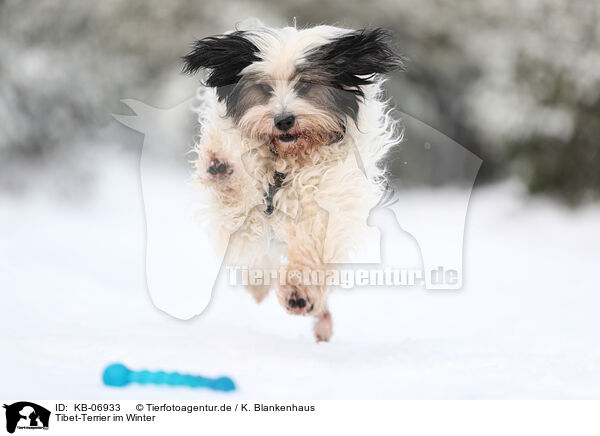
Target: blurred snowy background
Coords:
[(515, 82)]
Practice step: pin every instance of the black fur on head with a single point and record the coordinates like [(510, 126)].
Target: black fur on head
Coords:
[(224, 56), (349, 61)]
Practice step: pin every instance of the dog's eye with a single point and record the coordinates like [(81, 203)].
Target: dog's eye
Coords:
[(264, 88), (303, 87)]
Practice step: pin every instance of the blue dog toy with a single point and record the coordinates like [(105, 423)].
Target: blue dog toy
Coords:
[(119, 375)]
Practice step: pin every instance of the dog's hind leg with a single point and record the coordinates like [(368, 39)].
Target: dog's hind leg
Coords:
[(266, 271), (323, 327), (258, 292), (251, 248)]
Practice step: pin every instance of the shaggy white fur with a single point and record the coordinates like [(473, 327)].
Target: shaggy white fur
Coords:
[(329, 187)]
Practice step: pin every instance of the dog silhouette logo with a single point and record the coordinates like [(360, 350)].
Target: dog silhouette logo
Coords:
[(26, 415)]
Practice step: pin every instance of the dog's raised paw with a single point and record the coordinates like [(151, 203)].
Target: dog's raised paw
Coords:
[(218, 169)]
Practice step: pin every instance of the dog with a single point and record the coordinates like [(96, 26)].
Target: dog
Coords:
[(294, 128)]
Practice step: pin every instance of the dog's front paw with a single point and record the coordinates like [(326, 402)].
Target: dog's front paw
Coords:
[(300, 299), (219, 169), (295, 299)]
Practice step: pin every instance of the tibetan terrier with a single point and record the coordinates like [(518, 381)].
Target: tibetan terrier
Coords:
[(293, 131)]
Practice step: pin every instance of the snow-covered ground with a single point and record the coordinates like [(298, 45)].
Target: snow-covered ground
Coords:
[(525, 324)]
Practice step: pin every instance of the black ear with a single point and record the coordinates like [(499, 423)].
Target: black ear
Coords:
[(224, 56), (363, 53)]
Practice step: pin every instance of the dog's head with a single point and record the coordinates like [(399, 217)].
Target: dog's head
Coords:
[(293, 89)]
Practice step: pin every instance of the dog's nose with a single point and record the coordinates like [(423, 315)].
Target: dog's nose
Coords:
[(284, 122)]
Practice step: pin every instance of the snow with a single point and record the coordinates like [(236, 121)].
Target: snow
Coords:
[(525, 324)]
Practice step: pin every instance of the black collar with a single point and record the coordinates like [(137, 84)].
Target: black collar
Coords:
[(273, 188)]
